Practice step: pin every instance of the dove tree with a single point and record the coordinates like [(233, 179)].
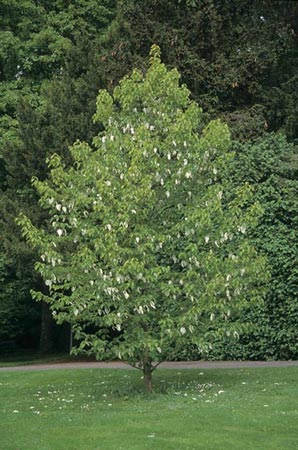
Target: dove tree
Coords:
[(146, 249)]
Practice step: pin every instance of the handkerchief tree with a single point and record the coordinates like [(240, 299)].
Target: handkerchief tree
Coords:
[(147, 250)]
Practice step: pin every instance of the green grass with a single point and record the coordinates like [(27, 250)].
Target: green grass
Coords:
[(105, 409), (37, 358)]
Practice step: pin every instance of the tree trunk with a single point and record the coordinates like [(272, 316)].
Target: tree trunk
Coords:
[(147, 371), (46, 329)]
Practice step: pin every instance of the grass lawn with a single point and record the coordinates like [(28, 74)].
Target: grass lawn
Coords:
[(106, 409), (37, 358)]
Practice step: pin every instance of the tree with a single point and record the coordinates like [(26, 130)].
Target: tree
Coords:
[(143, 240), (47, 58), (228, 53), (269, 164)]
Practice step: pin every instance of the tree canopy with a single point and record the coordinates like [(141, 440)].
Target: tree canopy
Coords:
[(143, 238)]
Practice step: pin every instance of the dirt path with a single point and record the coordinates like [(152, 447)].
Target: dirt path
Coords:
[(166, 365)]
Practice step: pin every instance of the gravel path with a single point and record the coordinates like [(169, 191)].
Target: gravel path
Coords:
[(165, 365)]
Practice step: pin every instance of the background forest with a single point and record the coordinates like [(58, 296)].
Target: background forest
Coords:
[(240, 61)]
